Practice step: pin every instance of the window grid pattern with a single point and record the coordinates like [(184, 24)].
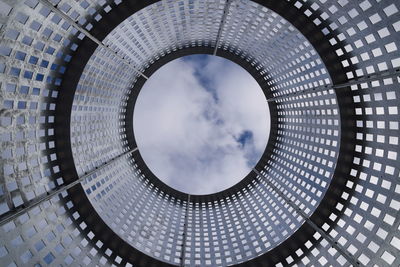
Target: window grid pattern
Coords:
[(36, 46), (46, 235), (30, 75), (236, 229), (365, 36), (370, 219), (129, 40), (307, 147), (164, 27), (95, 115), (282, 54), (148, 219)]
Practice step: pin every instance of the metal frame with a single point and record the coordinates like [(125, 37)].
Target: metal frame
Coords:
[(341, 85), (89, 35), (13, 214), (184, 233), (314, 36), (333, 243), (363, 79), (221, 26)]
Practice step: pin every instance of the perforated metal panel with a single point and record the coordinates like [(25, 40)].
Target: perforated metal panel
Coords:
[(75, 190)]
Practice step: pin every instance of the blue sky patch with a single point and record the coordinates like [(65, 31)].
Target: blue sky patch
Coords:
[(201, 123)]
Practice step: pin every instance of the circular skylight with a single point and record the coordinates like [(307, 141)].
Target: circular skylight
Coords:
[(201, 123)]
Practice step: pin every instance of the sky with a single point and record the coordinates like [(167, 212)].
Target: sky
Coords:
[(201, 123)]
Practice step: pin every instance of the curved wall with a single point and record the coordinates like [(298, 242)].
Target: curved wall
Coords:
[(325, 192)]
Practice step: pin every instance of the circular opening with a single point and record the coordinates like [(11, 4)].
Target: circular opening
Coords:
[(201, 123)]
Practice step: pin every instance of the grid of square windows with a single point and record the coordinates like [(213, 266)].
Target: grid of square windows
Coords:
[(35, 48), (318, 155)]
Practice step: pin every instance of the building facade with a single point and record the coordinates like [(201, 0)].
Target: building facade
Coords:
[(76, 191)]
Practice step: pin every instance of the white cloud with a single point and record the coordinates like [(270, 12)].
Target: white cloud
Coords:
[(189, 117)]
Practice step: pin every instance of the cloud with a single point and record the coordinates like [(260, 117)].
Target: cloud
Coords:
[(201, 123)]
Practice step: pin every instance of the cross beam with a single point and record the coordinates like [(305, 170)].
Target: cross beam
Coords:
[(328, 238), (13, 214), (90, 36), (221, 25)]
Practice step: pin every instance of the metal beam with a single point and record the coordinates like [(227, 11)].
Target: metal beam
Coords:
[(13, 214), (328, 238), (184, 235), (90, 36), (363, 79), (221, 25)]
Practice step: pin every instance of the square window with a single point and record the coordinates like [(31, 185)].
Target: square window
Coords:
[(15, 71)]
